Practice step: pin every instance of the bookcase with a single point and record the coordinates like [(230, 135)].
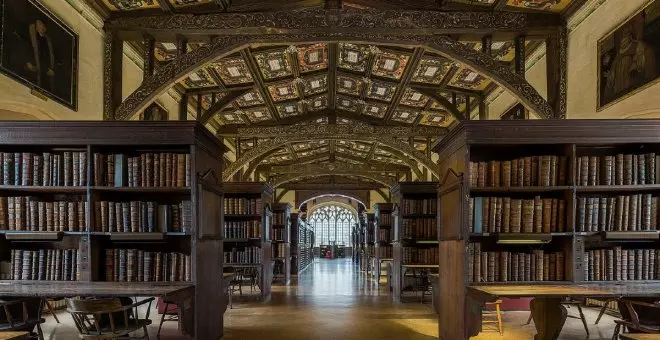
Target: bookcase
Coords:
[(370, 239), (543, 202), (281, 238), (249, 230), (359, 238), (124, 202), (415, 237), (383, 235), (303, 245)]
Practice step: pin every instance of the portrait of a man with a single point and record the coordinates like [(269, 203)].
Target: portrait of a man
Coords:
[(39, 50), (629, 57)]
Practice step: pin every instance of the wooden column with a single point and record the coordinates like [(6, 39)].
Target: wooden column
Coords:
[(112, 73), (183, 107), (487, 45), (466, 113), (519, 57), (181, 46), (199, 107), (149, 56), (557, 71), (483, 114)]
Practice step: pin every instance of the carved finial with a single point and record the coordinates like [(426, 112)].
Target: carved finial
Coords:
[(292, 49), (374, 49)]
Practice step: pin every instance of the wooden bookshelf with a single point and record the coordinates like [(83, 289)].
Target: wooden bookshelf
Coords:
[(58, 181), (415, 230), (604, 232), (302, 244), (368, 254), (248, 212), (359, 239), (281, 236), (383, 235)]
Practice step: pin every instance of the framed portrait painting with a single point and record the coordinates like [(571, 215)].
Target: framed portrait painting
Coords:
[(39, 50), (629, 56)]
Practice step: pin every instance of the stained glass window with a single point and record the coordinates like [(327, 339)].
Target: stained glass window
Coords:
[(332, 223)]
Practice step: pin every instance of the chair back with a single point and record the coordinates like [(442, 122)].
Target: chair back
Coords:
[(20, 314), (96, 316)]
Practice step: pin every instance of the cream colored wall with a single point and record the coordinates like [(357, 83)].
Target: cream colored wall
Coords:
[(595, 20), (290, 197), (81, 19)]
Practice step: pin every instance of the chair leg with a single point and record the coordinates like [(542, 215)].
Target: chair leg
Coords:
[(146, 332), (40, 333), (499, 318), (162, 318), (584, 320), (50, 310), (617, 329), (230, 293), (529, 320), (600, 315)]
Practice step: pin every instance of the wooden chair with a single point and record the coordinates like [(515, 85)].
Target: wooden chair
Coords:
[(169, 312), (638, 316), (568, 304), (235, 285), (22, 315), (494, 316), (97, 319)]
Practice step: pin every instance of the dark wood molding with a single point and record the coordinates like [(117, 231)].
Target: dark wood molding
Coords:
[(405, 81), (221, 104), (113, 55), (557, 72), (487, 45), (329, 187), (519, 55), (260, 86), (148, 55), (451, 107), (183, 107), (166, 6)]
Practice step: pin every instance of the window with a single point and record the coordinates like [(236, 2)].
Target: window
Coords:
[(332, 223)]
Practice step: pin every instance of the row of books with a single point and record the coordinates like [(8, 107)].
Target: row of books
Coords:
[(278, 234), (25, 213), (242, 206), (45, 264), (66, 168), (279, 250), (619, 264), (243, 229), (160, 169), (421, 228), (385, 220), (279, 218), (508, 215), (621, 169), (420, 206), (143, 216), (620, 213), (503, 266), (243, 255), (133, 265), (385, 235), (384, 252), (545, 170), (420, 255)]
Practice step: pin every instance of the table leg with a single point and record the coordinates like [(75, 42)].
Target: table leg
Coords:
[(549, 317), (473, 317)]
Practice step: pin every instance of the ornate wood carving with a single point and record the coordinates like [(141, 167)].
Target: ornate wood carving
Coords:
[(223, 45), (221, 104), (183, 107), (519, 57), (305, 195), (149, 44), (338, 131), (112, 74), (276, 181), (451, 107), (342, 20), (328, 187), (340, 167), (557, 71)]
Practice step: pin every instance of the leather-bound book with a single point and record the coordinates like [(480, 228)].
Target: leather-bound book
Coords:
[(538, 214), (546, 215), (506, 174), (181, 170), (641, 169), (607, 170), (515, 176), (650, 168), (485, 214), (477, 262), (527, 219), (561, 217), (628, 169), (506, 214), (654, 213), (544, 170)]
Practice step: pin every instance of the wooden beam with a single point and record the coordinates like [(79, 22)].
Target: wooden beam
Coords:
[(442, 101), (483, 114), (221, 104), (519, 55), (181, 46), (183, 107), (331, 186), (113, 56), (149, 55), (405, 81), (557, 71), (487, 45), (333, 49), (293, 153), (332, 131), (259, 80), (333, 4), (166, 6)]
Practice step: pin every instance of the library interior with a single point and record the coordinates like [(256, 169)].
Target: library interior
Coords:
[(330, 169)]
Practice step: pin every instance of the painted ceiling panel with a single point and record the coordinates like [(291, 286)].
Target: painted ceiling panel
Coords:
[(353, 57), (435, 118), (414, 98), (467, 79), (232, 118), (315, 84), (129, 5), (350, 85), (405, 116), (381, 90), (283, 91), (431, 70), (377, 110), (348, 104), (251, 98), (545, 5), (274, 64), (312, 57), (233, 71), (317, 103), (258, 114), (289, 109), (390, 64), (198, 79)]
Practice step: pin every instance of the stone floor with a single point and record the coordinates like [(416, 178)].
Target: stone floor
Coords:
[(333, 301)]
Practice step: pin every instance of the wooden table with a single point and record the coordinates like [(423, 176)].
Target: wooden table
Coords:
[(548, 313), (639, 336), (14, 335)]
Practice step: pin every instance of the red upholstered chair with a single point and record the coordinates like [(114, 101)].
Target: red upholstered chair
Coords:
[(169, 311)]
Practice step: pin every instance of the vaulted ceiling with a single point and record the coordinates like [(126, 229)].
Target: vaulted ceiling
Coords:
[(332, 82)]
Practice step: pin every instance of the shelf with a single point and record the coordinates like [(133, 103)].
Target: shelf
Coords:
[(618, 188), (523, 283), (419, 215), (419, 241), (124, 236), (243, 216), (172, 190), (531, 189), (34, 235), (551, 234), (251, 239), (50, 189), (630, 235), (243, 264)]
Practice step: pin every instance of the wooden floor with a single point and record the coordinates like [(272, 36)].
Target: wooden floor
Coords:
[(334, 301)]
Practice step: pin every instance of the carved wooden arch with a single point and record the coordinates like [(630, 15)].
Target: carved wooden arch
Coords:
[(276, 143), (224, 45), (276, 181), (335, 203), (361, 196)]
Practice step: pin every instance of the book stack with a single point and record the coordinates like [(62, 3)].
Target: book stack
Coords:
[(278, 234), (45, 264), (66, 168), (279, 250), (508, 215), (279, 218), (385, 235), (247, 255), (24, 213), (420, 228), (619, 213), (134, 265), (420, 255), (242, 206), (143, 216), (385, 252), (385, 220), (620, 264), (620, 169), (504, 266), (159, 169), (545, 170), (242, 229), (419, 206)]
